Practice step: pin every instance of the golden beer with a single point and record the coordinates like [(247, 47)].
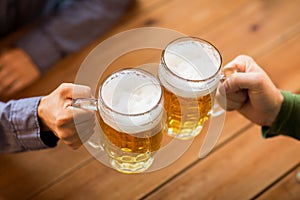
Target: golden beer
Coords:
[(131, 119), (130, 154), (189, 73)]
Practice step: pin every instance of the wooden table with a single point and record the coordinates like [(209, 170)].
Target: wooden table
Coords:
[(242, 165)]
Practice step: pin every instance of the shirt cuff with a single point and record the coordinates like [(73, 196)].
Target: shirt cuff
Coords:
[(24, 116), (283, 122)]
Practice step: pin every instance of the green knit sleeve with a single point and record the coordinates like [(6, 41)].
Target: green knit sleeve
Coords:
[(288, 120)]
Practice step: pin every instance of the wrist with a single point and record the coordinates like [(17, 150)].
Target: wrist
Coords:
[(277, 107), (41, 117), (286, 121), (46, 134)]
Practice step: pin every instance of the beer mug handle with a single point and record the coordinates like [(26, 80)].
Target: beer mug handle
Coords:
[(85, 103), (217, 110), (92, 105)]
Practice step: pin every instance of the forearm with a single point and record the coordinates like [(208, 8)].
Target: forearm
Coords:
[(288, 120), (19, 127), (69, 29)]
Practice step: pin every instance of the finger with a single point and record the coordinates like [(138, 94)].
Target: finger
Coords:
[(76, 145), (73, 144), (86, 134), (86, 125), (69, 135), (14, 87), (4, 72), (221, 98), (236, 100), (81, 91), (231, 101), (243, 63), (235, 66), (4, 56), (68, 121), (240, 96), (85, 130), (75, 123), (65, 90), (76, 140), (233, 105), (81, 115), (69, 90), (7, 84), (243, 81), (239, 63)]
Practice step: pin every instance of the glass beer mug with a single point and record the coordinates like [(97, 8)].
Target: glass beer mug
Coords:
[(189, 73), (129, 110)]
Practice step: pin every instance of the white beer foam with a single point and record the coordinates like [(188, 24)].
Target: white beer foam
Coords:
[(190, 60), (131, 92)]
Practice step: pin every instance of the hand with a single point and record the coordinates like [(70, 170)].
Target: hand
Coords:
[(251, 92), (17, 71), (70, 124)]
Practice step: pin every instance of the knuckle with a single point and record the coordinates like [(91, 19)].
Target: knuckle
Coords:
[(75, 146), (259, 79), (60, 122), (64, 137), (87, 91), (82, 91), (64, 117), (67, 136), (64, 88), (231, 106), (5, 57)]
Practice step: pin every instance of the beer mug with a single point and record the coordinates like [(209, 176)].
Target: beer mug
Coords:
[(189, 73), (129, 109)]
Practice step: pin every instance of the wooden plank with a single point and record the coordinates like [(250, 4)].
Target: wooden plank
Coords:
[(159, 13), (231, 13), (29, 172), (238, 171), (282, 64), (287, 188), (254, 28), (273, 61), (24, 173), (95, 180), (55, 76), (65, 70), (276, 69), (286, 76), (184, 16), (211, 19)]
